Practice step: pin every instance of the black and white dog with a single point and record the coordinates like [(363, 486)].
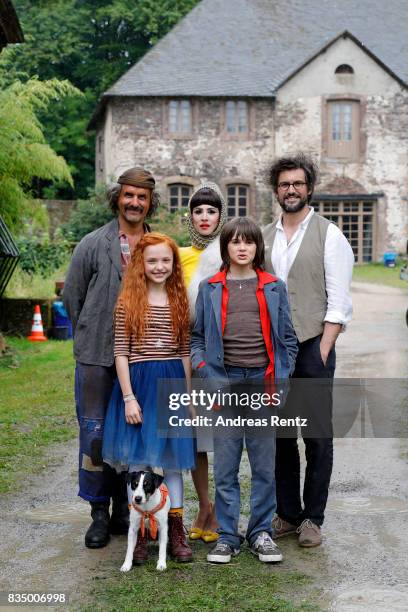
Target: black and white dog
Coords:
[(149, 509)]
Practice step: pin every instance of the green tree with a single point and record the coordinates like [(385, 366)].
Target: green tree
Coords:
[(91, 43), (24, 153)]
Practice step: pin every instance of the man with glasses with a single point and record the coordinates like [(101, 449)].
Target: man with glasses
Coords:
[(315, 260)]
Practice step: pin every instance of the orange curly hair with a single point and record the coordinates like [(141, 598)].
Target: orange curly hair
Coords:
[(133, 296)]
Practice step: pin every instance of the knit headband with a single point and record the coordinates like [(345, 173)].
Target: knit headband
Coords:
[(197, 240), (137, 177)]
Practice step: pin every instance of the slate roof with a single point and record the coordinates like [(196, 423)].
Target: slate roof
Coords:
[(248, 47)]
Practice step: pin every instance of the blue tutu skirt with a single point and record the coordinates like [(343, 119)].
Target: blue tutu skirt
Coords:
[(153, 442)]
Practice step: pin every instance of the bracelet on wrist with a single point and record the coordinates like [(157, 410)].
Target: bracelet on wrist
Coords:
[(129, 397)]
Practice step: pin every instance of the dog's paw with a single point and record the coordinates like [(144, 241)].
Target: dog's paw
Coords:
[(161, 566), (126, 567)]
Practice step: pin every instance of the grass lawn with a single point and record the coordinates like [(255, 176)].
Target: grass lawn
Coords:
[(245, 585), (36, 405), (379, 274), (34, 286)]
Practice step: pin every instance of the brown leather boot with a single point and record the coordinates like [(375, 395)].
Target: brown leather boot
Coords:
[(140, 554), (179, 550)]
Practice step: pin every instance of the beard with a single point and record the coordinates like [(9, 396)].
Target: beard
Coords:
[(293, 207)]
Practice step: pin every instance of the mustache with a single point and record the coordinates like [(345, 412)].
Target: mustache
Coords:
[(135, 208)]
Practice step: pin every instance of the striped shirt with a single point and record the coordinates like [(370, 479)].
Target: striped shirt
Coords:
[(158, 342)]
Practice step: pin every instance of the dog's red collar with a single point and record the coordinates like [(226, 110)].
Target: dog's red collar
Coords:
[(149, 514)]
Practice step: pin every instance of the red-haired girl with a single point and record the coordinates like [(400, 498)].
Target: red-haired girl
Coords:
[(151, 343)]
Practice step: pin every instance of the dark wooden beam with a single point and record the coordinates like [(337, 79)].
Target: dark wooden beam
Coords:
[(10, 30)]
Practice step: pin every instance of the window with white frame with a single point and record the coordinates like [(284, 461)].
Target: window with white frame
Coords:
[(237, 200), (179, 195), (236, 117), (343, 140), (180, 117)]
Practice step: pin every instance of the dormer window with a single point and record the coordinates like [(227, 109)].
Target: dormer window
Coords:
[(344, 69)]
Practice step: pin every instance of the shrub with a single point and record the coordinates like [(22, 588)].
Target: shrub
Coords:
[(171, 224), (88, 215), (41, 256)]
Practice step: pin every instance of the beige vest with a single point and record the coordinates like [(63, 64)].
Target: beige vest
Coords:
[(306, 281)]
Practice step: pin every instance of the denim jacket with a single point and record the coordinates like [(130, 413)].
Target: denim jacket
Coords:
[(207, 353)]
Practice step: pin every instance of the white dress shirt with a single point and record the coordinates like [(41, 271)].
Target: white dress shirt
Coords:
[(338, 266)]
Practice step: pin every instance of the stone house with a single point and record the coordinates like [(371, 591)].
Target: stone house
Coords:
[(239, 82)]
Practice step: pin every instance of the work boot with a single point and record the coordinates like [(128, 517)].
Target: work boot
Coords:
[(282, 528), (179, 549), (97, 535), (119, 521), (309, 534), (140, 554)]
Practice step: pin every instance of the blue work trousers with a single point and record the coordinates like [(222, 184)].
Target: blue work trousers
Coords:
[(227, 457), (93, 388)]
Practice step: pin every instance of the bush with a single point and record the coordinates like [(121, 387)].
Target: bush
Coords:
[(87, 216), (41, 256), (171, 224)]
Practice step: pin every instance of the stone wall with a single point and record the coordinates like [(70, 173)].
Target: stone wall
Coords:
[(382, 168), (138, 135), (382, 165)]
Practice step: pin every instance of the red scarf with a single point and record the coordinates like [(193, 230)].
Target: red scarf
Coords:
[(263, 278), (149, 514)]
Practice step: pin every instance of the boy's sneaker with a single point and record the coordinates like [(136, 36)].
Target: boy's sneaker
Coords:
[(282, 528), (265, 549), (222, 553)]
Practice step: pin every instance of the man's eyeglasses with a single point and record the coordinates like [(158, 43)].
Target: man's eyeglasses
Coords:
[(296, 185)]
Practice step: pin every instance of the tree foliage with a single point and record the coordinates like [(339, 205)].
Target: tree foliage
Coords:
[(24, 153), (91, 43)]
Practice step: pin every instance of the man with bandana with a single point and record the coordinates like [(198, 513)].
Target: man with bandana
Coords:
[(91, 289), (315, 260)]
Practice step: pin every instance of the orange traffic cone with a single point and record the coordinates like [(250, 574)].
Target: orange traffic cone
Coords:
[(37, 331)]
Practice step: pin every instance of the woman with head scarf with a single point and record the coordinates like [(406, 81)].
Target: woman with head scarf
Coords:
[(207, 214)]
